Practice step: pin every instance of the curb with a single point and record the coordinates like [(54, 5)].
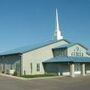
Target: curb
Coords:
[(22, 78), (10, 76)]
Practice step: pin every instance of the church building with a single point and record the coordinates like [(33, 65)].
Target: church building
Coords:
[(58, 56)]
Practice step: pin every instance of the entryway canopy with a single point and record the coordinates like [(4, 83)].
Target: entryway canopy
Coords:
[(68, 59)]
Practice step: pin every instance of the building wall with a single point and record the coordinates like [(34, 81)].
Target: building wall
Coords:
[(32, 58), (58, 68), (10, 62), (77, 50)]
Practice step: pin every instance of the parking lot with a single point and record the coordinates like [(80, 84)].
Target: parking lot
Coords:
[(62, 83)]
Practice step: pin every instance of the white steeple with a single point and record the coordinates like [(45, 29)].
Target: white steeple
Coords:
[(57, 33)]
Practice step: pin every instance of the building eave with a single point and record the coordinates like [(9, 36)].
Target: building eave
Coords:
[(10, 54)]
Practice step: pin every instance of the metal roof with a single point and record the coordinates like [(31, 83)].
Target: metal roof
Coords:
[(69, 45), (29, 48), (62, 59)]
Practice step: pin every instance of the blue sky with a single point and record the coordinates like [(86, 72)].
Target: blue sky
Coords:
[(28, 22)]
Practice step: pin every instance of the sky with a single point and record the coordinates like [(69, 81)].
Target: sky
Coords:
[(29, 22)]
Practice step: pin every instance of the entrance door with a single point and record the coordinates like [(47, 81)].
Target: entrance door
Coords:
[(77, 68)]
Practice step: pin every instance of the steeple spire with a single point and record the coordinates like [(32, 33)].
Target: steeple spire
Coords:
[(57, 33)]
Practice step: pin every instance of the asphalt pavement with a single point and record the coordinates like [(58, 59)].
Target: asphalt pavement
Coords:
[(62, 83)]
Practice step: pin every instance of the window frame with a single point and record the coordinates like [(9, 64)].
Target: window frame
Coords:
[(38, 67)]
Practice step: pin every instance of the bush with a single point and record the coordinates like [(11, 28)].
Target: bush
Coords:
[(15, 73), (39, 75), (3, 71)]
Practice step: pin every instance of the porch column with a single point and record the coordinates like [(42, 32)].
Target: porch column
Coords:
[(58, 73), (83, 69), (58, 70), (72, 70)]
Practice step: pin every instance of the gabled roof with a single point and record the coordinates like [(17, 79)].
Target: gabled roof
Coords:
[(70, 45), (25, 49), (68, 59)]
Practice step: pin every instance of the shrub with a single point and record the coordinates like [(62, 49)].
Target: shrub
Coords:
[(15, 73), (39, 75), (3, 71)]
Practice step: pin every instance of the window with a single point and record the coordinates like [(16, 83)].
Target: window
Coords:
[(11, 66), (17, 67), (77, 67), (38, 66), (0, 67), (82, 54), (31, 67), (59, 52), (4, 68)]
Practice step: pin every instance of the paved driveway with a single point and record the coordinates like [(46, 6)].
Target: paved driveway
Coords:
[(62, 83)]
